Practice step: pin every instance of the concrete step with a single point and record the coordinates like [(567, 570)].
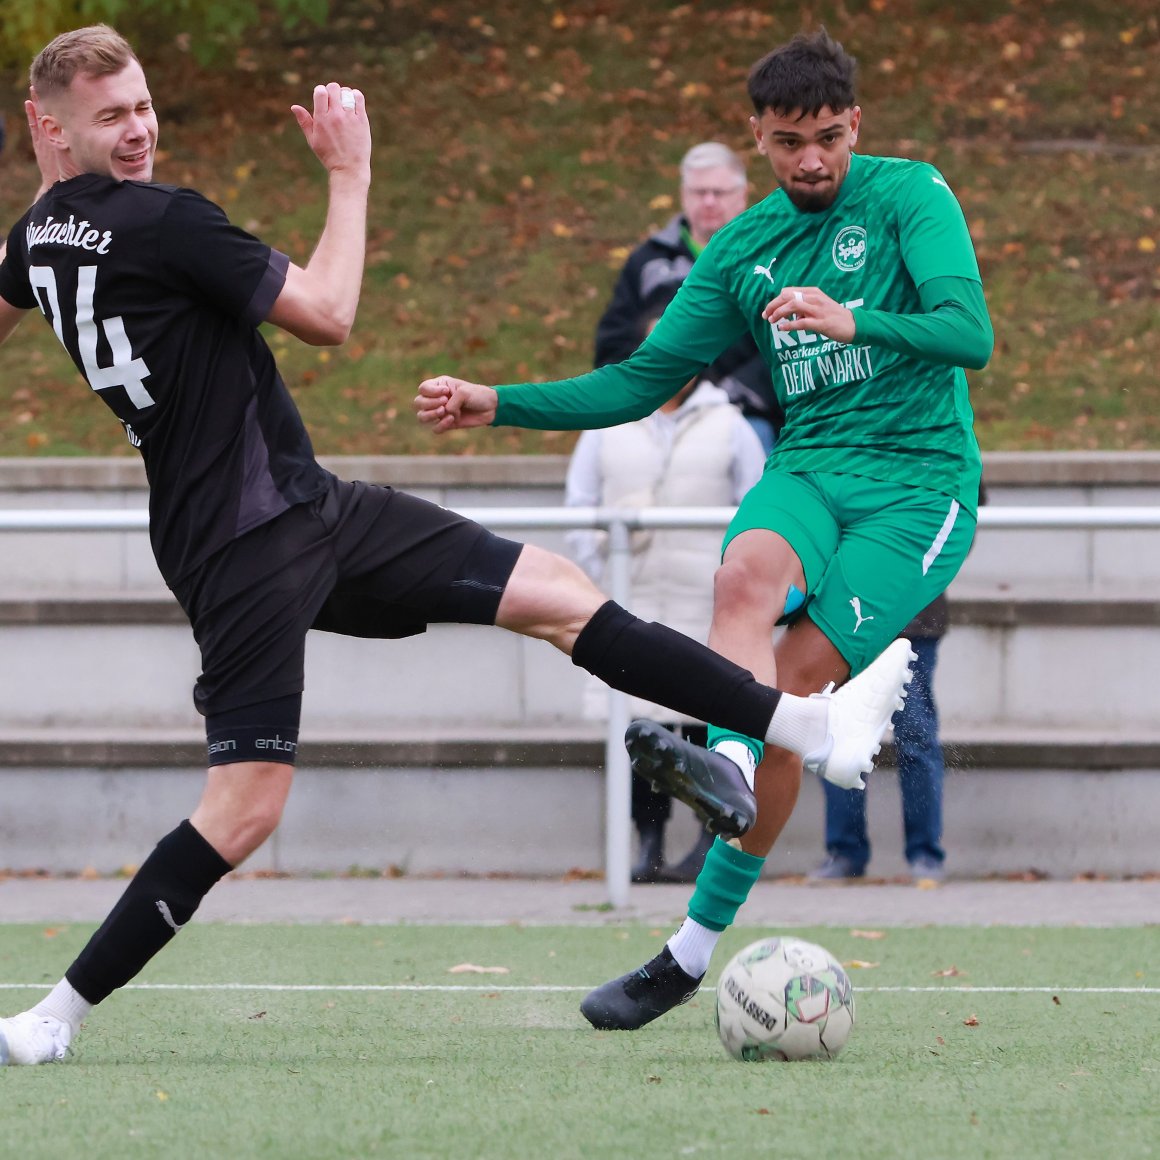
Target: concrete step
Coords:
[(533, 802), (128, 662), (580, 746)]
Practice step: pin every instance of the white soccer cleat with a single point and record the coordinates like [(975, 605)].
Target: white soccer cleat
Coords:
[(30, 1038), (860, 713)]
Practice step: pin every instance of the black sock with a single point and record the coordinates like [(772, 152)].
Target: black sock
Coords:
[(660, 665), (160, 899)]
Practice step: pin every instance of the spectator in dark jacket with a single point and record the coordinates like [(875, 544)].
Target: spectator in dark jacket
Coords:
[(713, 192)]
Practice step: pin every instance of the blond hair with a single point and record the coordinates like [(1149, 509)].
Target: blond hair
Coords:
[(95, 51)]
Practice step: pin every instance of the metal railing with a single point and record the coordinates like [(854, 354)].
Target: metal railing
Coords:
[(619, 523)]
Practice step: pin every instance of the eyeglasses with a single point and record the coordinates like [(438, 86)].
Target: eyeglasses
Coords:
[(719, 194)]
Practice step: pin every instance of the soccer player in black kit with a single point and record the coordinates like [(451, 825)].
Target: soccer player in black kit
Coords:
[(158, 298)]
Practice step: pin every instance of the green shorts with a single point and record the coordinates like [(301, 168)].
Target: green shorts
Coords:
[(874, 553)]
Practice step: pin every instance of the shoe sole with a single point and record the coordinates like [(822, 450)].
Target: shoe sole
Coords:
[(660, 762), (5, 1055)]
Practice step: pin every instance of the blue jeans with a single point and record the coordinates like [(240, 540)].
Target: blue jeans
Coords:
[(765, 431), (920, 776)]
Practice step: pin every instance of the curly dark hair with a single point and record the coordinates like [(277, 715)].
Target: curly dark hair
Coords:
[(806, 74)]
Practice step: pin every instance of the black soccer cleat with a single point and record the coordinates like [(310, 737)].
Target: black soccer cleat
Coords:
[(710, 785), (641, 996)]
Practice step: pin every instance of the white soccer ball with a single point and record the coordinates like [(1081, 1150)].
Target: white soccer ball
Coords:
[(784, 998)]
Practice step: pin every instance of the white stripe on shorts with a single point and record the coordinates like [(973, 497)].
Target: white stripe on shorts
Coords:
[(941, 539)]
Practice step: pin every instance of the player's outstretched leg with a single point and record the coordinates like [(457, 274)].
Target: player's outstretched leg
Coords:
[(29, 1038), (712, 786), (857, 718)]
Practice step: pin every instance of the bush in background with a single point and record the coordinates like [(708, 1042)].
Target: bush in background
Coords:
[(210, 28)]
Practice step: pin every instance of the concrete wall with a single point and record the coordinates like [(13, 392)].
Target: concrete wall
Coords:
[(415, 760)]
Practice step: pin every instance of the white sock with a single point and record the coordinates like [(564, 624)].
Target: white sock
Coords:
[(799, 723), (65, 1004), (741, 755), (692, 947)]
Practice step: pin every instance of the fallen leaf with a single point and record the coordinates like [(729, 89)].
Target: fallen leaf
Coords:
[(867, 934), (1055, 1000), (162, 1096), (973, 1021), (940, 1041), (653, 1079), (859, 965), (952, 972), (473, 969)]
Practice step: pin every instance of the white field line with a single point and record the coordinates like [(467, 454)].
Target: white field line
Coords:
[(549, 989)]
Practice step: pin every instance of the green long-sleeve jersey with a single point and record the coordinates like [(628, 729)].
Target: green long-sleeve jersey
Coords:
[(894, 247)]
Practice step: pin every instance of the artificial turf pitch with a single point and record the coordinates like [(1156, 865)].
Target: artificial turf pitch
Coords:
[(359, 1041)]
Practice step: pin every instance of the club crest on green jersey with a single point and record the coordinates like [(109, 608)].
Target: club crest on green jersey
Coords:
[(850, 249)]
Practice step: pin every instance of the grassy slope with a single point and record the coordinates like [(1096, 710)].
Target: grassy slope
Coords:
[(488, 1073), (520, 148)]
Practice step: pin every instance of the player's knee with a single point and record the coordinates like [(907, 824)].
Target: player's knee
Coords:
[(242, 806), (548, 597), (261, 817), (739, 587)]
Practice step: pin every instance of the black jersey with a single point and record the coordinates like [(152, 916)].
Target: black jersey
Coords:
[(157, 299)]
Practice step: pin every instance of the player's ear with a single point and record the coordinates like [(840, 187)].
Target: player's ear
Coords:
[(53, 130), (758, 136), (855, 122)]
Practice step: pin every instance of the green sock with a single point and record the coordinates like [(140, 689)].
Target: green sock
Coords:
[(757, 748), (723, 885)]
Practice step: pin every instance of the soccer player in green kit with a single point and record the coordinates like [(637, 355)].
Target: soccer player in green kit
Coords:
[(858, 279)]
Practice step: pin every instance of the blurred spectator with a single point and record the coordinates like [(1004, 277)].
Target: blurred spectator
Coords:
[(695, 451), (713, 192)]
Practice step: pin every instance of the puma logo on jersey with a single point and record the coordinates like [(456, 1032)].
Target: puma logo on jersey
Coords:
[(766, 271), (939, 181), (856, 605)]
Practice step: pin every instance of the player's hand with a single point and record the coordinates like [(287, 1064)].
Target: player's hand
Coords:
[(338, 130), (449, 404), (47, 154), (807, 308)]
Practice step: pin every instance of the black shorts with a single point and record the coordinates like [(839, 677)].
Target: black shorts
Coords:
[(361, 560)]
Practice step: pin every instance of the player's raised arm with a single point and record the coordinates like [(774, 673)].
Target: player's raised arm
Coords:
[(318, 302)]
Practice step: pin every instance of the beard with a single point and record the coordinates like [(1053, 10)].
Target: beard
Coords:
[(817, 197), (812, 198)]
